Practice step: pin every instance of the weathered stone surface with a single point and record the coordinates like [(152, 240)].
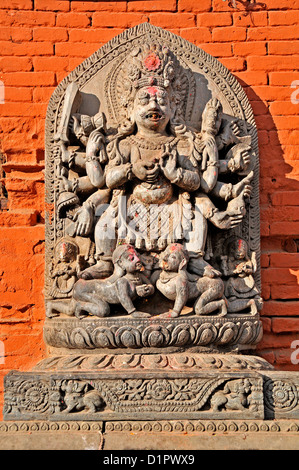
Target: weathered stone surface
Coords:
[(152, 193), (185, 435)]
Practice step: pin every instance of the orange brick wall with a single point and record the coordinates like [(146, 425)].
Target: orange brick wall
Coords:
[(41, 41)]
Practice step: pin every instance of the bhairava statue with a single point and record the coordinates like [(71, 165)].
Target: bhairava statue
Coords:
[(153, 185)]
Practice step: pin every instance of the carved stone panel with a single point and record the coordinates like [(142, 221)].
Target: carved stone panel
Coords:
[(152, 200)]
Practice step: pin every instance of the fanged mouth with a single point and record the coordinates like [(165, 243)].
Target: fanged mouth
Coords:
[(153, 116), (139, 267)]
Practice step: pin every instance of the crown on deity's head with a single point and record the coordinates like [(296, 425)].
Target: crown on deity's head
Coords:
[(148, 64), (151, 64)]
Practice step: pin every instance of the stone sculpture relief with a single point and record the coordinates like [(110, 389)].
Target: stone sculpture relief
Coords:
[(150, 176)]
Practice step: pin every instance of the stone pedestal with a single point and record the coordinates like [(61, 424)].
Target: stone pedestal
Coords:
[(163, 401), (152, 280)]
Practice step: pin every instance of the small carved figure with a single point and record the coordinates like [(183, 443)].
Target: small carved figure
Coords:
[(179, 285), (68, 265), (78, 397), (126, 283), (233, 396), (240, 289)]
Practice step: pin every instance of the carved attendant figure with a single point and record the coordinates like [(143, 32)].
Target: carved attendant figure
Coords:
[(126, 283), (179, 285)]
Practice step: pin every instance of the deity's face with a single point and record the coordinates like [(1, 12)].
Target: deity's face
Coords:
[(172, 258), (151, 110), (65, 252), (240, 249), (130, 262)]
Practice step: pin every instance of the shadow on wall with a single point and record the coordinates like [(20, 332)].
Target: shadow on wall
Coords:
[(279, 192)]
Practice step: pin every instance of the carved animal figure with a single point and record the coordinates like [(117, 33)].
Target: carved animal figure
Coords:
[(179, 285), (233, 396), (126, 283), (78, 397)]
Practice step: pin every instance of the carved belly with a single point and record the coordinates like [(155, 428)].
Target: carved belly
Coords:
[(157, 193)]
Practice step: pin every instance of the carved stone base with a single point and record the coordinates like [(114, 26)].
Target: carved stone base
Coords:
[(154, 435), (138, 387), (229, 333)]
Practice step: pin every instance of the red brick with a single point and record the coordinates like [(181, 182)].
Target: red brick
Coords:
[(29, 79), (54, 64), (116, 6), (26, 48), (22, 218), (274, 341), (50, 34), (73, 20), (9, 64), (17, 94), (283, 308), (147, 5), (216, 19), (258, 18), (290, 260), (196, 35), (282, 47), (282, 5), (27, 18), (284, 325), (52, 5), (76, 49), (124, 20), (234, 63), (250, 48), (282, 78), (217, 49), (16, 4), (42, 94), (272, 32), (283, 18), (279, 108), (196, 7), (172, 20), (9, 33), (285, 198), (273, 63), (284, 292), (229, 33), (270, 93), (93, 35), (252, 78), (220, 5), (278, 276)]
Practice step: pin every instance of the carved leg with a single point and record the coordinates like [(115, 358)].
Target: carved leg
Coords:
[(60, 306), (203, 306), (238, 305), (98, 307)]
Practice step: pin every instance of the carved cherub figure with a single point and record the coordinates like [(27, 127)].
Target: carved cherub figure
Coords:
[(240, 288), (126, 284), (177, 284)]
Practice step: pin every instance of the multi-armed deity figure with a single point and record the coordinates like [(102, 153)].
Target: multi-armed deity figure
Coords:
[(148, 185)]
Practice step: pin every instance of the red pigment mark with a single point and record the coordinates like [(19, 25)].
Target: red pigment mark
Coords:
[(175, 247), (152, 90), (240, 243), (152, 62)]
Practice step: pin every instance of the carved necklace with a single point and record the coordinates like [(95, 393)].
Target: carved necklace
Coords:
[(156, 144)]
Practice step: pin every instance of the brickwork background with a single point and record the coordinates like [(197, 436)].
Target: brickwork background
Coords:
[(41, 41)]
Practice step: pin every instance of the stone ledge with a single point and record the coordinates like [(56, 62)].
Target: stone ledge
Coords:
[(151, 435)]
